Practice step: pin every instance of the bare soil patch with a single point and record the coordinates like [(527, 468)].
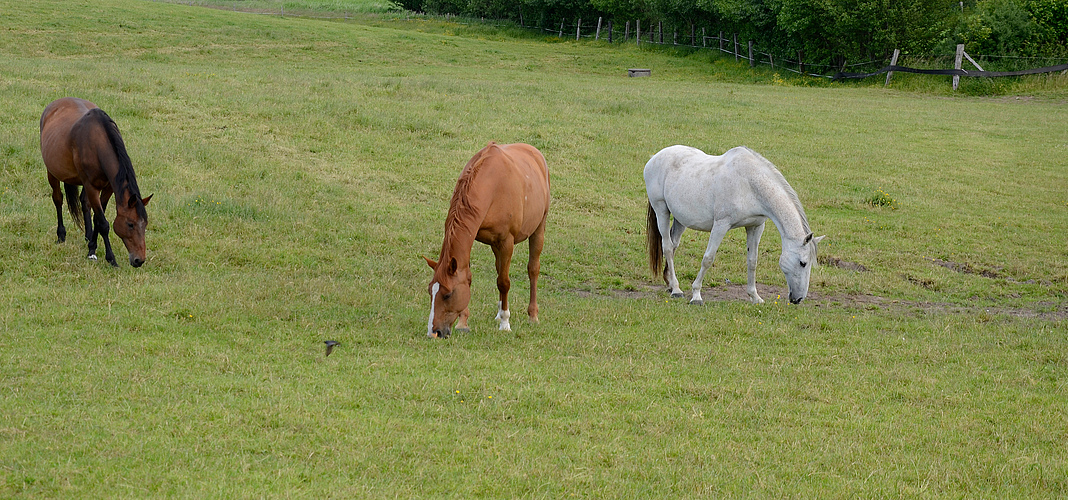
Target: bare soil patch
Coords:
[(734, 292)]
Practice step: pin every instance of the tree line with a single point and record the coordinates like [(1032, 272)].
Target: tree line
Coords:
[(831, 32)]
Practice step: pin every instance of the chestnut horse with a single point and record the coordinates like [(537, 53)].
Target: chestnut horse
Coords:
[(81, 145), (501, 198)]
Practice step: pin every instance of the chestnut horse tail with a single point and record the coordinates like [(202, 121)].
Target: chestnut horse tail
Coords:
[(654, 240), (74, 203)]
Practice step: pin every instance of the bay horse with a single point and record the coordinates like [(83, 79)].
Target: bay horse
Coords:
[(81, 145), (500, 199), (717, 194)]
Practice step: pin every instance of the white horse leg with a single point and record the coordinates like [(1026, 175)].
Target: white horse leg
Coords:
[(670, 236), (675, 238), (715, 237), (752, 241)]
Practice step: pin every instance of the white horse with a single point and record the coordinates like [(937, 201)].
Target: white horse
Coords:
[(717, 194)]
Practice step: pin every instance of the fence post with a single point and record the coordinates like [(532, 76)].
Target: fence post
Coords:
[(750, 53), (693, 36), (578, 29), (721, 41), (660, 31), (735, 47), (704, 37), (598, 35), (893, 62), (675, 37), (638, 32), (626, 32), (956, 64), (561, 32), (800, 65)]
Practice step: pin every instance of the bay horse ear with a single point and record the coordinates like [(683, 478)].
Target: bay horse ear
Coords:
[(146, 200), (432, 264)]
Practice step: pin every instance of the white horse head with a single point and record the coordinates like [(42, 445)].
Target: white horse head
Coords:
[(796, 263)]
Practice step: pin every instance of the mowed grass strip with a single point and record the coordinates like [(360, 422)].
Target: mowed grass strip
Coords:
[(301, 167)]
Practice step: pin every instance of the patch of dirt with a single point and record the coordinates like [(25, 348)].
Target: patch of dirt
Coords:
[(986, 273), (841, 264), (734, 292)]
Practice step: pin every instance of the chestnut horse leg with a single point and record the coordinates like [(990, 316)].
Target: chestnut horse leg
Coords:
[(537, 240), (461, 321), (502, 250), (57, 199)]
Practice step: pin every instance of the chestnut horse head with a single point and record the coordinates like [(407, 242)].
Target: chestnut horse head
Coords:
[(501, 198), (81, 146)]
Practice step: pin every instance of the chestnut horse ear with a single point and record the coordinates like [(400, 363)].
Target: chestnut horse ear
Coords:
[(452, 266), (146, 200), (432, 264)]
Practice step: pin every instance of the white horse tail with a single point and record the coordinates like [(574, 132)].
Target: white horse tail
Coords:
[(654, 240)]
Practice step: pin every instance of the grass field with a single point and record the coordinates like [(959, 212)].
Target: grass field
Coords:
[(300, 168)]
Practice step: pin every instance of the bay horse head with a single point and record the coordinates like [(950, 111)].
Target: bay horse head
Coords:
[(796, 263), (450, 294), (131, 219)]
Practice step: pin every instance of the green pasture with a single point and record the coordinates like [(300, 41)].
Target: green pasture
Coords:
[(301, 167)]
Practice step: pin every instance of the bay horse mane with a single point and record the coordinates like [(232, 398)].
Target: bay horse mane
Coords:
[(125, 181), (462, 211)]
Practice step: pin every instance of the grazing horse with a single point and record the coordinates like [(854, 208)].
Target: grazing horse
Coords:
[(501, 198), (81, 145), (717, 194)]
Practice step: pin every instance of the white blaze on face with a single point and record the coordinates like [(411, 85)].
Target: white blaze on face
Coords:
[(433, 296)]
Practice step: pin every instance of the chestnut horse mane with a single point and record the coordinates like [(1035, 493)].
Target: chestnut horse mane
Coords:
[(461, 210)]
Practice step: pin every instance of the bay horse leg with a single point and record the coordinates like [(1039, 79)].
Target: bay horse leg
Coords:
[(502, 251), (57, 200), (752, 241), (537, 241), (100, 224), (90, 232), (103, 230), (715, 237)]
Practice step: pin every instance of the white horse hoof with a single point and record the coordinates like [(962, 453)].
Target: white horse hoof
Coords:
[(697, 302), (757, 300), (676, 295)]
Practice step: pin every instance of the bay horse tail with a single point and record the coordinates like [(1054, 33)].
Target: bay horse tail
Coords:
[(655, 241), (74, 203)]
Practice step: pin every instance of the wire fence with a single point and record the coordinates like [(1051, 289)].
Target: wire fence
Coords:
[(649, 33)]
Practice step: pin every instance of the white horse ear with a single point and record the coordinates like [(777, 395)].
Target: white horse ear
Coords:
[(808, 238), (818, 239)]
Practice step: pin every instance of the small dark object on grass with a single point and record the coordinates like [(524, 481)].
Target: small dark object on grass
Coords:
[(330, 344)]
